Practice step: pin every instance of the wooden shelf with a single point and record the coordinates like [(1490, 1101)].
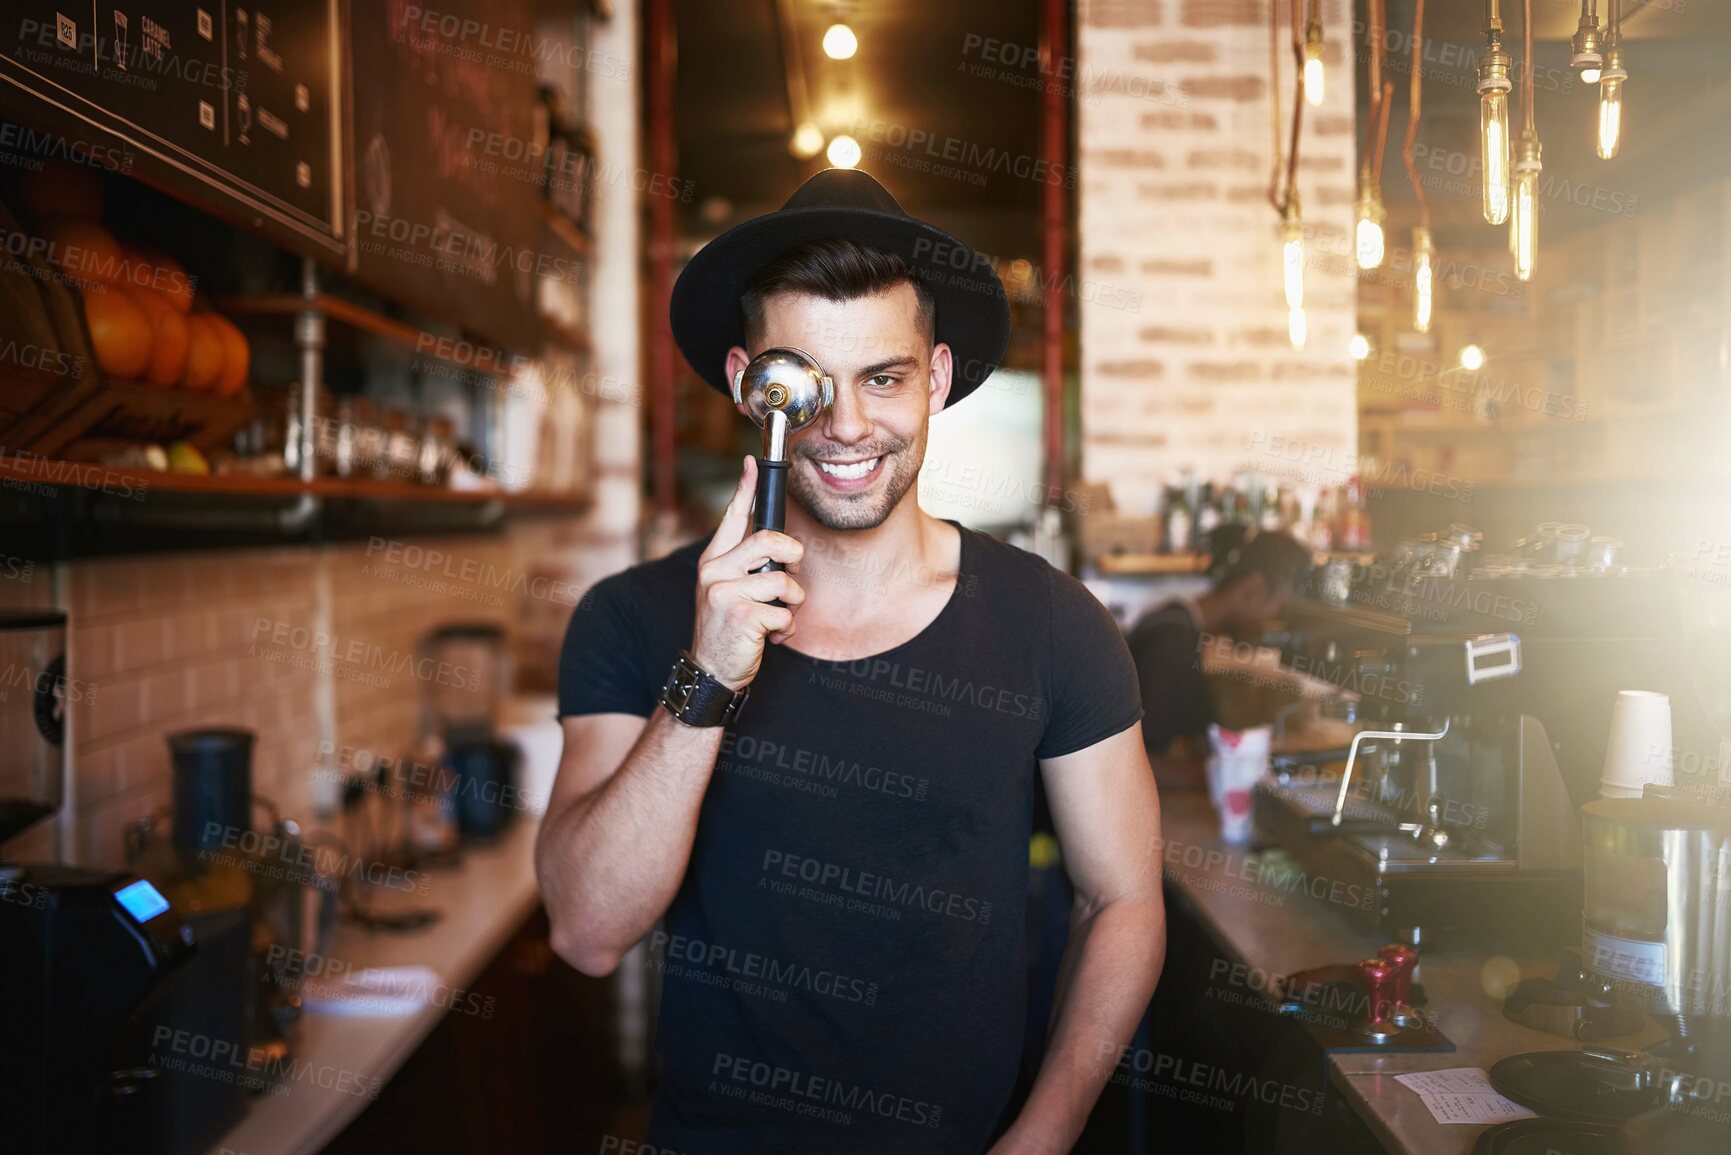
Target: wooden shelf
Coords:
[(364, 320), (1579, 480), (1130, 564), (566, 230), (76, 474), (571, 338)]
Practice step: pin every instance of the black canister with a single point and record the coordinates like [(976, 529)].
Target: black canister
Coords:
[(483, 773), (212, 787)]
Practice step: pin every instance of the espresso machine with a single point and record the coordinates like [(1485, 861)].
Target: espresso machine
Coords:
[(87, 954), (1456, 803)]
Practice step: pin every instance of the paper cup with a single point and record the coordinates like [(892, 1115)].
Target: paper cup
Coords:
[(1638, 749), (1237, 761)]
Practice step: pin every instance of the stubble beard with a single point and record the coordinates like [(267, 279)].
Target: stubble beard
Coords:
[(867, 509)]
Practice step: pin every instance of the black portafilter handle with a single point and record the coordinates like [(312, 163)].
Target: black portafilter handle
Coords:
[(770, 510)]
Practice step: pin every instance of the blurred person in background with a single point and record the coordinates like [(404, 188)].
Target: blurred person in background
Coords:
[(1256, 580)]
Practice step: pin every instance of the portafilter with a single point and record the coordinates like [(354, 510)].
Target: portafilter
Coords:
[(784, 390)]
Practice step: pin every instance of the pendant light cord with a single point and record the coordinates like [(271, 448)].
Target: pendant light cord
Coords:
[(1413, 113), (1527, 19), (1278, 197)]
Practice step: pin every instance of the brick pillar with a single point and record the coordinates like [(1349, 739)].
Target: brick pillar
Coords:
[(1184, 340)]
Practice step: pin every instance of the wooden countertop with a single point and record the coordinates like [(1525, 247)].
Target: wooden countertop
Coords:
[(484, 902), (1279, 931)]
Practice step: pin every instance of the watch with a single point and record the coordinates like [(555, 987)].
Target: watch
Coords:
[(697, 699)]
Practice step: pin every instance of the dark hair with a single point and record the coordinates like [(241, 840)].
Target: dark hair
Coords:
[(836, 270), (1279, 557)]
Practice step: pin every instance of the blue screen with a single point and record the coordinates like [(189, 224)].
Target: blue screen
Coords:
[(141, 900)]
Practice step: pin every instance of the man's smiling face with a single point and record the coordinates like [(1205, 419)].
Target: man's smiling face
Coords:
[(854, 464)]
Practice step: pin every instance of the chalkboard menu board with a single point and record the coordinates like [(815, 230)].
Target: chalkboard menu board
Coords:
[(447, 213), (234, 107)]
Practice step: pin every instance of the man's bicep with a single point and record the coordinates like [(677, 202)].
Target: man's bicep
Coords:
[(596, 745), (1106, 810)]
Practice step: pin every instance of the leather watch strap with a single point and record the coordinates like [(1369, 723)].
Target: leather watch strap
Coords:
[(696, 698)]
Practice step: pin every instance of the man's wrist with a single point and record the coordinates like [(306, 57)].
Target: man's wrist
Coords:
[(697, 698), (711, 667)]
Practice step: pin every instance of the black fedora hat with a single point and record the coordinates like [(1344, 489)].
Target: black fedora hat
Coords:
[(973, 316)]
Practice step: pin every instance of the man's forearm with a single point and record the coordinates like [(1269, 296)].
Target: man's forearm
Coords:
[(611, 862), (1109, 971)]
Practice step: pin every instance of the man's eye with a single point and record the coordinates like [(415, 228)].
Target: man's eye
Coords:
[(882, 380)]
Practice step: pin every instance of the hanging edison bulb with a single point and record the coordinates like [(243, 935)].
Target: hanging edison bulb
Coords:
[(1526, 206), (1292, 269), (1369, 211), (1494, 129), (1313, 74), (1611, 80), (1586, 47), (1292, 255), (1421, 279)]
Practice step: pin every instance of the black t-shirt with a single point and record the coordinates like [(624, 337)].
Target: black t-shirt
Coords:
[(1167, 648), (842, 968)]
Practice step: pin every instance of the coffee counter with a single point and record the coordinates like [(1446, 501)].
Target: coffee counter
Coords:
[(483, 903), (1277, 931)]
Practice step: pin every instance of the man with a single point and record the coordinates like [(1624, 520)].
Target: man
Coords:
[(842, 864), (1258, 580)]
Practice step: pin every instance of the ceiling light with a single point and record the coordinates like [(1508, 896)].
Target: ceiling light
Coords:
[(807, 141), (1584, 49), (1313, 74), (1611, 102), (1611, 86), (1527, 167), (839, 42), (1421, 279), (843, 151), (1494, 88), (1367, 238), (1472, 358)]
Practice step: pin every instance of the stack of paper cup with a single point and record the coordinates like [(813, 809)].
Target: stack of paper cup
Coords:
[(1638, 750), (1237, 759)]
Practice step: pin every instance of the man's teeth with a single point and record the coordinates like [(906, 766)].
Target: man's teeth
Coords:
[(851, 472)]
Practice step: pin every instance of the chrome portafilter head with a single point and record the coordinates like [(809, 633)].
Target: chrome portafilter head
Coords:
[(784, 390)]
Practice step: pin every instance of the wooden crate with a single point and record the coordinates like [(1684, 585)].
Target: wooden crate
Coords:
[(91, 419)]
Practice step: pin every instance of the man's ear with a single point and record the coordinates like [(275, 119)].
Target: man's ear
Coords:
[(943, 369), (737, 360)]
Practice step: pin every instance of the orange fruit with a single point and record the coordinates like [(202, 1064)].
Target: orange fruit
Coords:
[(119, 331), (236, 359), (171, 338), (204, 360), (83, 250), (170, 278)]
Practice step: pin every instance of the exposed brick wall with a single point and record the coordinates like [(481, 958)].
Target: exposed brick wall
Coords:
[(1174, 153), (303, 646)]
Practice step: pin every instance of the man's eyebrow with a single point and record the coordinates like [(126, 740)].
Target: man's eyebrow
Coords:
[(876, 367)]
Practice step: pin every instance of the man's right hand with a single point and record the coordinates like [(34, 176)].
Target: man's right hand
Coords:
[(734, 617)]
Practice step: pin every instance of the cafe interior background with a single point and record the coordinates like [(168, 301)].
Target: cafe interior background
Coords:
[(336, 369)]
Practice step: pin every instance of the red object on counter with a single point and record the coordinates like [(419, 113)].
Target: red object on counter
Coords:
[(1404, 959), (1378, 975)]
